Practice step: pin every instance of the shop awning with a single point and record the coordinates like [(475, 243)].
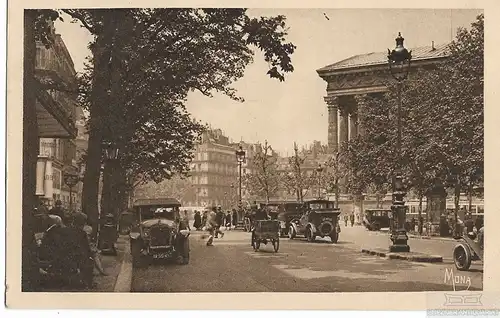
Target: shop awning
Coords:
[(53, 121)]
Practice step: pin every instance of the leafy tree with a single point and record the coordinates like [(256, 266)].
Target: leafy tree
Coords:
[(264, 179), (443, 132), (297, 180), (458, 129), (177, 187), (370, 158), (154, 57)]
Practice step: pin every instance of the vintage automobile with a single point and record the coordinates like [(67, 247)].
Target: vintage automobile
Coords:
[(467, 250), (159, 233), (320, 218), (288, 213), (375, 219)]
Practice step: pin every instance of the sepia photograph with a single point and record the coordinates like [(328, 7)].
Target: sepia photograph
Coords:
[(235, 150)]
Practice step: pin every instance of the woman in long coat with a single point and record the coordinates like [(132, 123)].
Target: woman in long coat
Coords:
[(197, 220), (235, 218)]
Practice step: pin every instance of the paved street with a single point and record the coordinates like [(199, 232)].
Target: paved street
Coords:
[(232, 266)]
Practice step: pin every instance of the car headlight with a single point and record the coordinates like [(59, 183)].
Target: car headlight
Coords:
[(134, 235), (184, 232)]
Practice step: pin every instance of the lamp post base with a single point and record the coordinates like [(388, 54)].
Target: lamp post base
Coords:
[(399, 242), (399, 248)]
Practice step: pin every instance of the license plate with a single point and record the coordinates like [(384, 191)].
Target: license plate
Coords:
[(163, 255)]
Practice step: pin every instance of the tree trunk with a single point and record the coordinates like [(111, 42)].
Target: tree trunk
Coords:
[(30, 155), (457, 205), (420, 221), (470, 197), (98, 102)]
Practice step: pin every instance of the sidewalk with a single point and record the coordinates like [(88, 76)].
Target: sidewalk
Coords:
[(359, 238), (116, 267), (416, 236)]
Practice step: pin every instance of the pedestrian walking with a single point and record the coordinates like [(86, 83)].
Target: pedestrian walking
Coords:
[(228, 221), (58, 210), (197, 220), (352, 219), (212, 227), (219, 219), (234, 218), (204, 218), (346, 219), (469, 224)]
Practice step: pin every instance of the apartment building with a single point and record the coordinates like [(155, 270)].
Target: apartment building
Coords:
[(56, 117)]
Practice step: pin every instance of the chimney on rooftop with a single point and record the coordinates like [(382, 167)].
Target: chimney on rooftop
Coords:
[(433, 48)]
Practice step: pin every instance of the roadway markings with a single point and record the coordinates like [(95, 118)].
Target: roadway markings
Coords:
[(307, 273), (265, 254)]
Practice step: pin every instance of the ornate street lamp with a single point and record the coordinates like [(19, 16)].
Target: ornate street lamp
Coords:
[(110, 149), (399, 65), (319, 170), (240, 158), (109, 232)]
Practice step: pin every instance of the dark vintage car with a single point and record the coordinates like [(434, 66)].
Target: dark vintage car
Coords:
[(287, 213), (375, 219), (320, 218), (159, 233)]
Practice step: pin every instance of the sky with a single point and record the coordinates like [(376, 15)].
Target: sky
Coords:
[(294, 110)]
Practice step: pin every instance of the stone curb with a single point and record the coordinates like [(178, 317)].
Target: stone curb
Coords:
[(418, 237), (123, 282), (412, 257)]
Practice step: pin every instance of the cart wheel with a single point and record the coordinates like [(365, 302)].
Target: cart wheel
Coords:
[(256, 245), (276, 245), (462, 257)]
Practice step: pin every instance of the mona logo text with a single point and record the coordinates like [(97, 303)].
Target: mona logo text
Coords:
[(450, 277)]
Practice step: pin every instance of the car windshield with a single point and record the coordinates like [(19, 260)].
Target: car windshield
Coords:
[(154, 212), (321, 205)]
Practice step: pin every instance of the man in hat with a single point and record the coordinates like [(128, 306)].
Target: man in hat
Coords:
[(58, 209), (219, 219), (211, 226)]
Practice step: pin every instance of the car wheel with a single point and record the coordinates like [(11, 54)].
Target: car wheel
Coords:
[(185, 252), (276, 245), (137, 258), (462, 257), (334, 237), (291, 233), (310, 235)]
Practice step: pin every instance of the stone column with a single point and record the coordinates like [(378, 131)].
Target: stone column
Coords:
[(344, 124), (361, 106), (332, 103), (344, 138), (353, 125)]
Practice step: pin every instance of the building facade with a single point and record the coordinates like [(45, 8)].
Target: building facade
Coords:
[(367, 74), (214, 171), (56, 116)]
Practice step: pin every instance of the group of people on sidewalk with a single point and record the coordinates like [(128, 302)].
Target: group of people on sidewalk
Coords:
[(229, 219), (65, 246)]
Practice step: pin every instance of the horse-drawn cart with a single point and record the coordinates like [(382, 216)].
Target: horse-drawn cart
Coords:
[(266, 231)]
